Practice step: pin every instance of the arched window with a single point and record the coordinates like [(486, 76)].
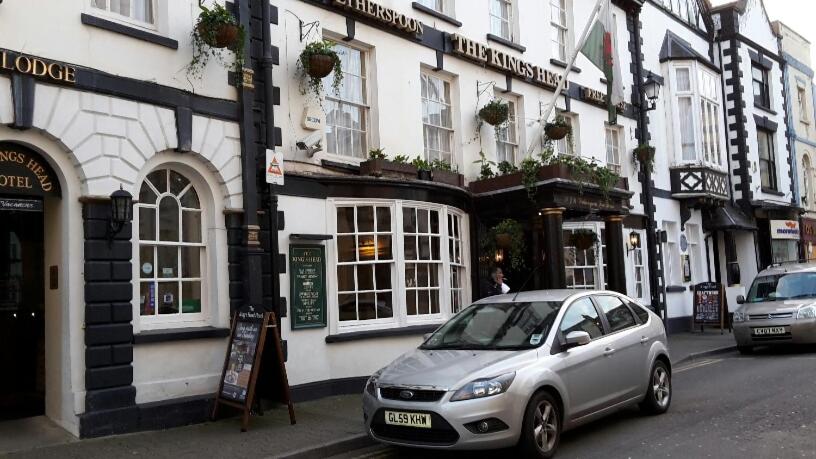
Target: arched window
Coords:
[(806, 184), (171, 248)]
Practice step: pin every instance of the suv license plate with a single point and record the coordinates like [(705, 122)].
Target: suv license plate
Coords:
[(769, 331), (397, 418)]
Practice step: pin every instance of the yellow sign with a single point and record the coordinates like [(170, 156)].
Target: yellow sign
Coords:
[(40, 68), (24, 173)]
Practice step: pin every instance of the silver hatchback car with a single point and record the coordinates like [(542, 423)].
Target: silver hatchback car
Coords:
[(780, 308), (518, 369)]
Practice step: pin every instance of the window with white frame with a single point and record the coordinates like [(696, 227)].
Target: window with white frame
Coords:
[(501, 18), (806, 179), (437, 118), (671, 255), (582, 266), (436, 5), (639, 268), (767, 159), (171, 248), (365, 263), (613, 148), (566, 146), (697, 113), (347, 108), (801, 97), (391, 264), (695, 257), (761, 85), (134, 10), (560, 29), (507, 136)]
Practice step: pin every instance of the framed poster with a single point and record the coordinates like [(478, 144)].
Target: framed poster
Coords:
[(307, 290)]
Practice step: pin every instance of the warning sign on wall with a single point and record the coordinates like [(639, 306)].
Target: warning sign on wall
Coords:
[(274, 167)]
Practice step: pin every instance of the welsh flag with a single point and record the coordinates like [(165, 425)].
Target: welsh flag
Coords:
[(600, 51)]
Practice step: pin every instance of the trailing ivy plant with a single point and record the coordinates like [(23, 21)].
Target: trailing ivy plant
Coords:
[(529, 175), (206, 38), (312, 84), (377, 153)]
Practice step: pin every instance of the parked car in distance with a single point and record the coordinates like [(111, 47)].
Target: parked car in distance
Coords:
[(519, 369), (780, 308)]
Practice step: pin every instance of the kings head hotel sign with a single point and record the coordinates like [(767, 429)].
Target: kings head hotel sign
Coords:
[(381, 14), (24, 172), (11, 62)]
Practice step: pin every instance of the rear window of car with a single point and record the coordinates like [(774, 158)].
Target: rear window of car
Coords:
[(641, 312)]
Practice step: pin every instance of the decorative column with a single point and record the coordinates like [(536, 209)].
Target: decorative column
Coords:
[(615, 261), (552, 243)]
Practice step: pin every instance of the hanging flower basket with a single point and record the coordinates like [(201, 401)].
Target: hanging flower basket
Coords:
[(320, 65), (216, 32), (504, 240), (495, 112), (220, 35), (583, 239), (558, 129), (317, 61), (645, 154)]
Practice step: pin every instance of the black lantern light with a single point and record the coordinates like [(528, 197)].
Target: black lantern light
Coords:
[(121, 205), (651, 88), (634, 241)]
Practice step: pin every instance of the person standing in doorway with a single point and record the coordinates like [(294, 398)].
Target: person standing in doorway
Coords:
[(495, 283)]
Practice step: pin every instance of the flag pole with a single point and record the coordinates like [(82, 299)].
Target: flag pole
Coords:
[(593, 17)]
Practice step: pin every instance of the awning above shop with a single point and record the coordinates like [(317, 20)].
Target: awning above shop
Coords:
[(728, 217)]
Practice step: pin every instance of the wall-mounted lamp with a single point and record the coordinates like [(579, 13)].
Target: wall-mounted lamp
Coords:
[(499, 256), (121, 207), (651, 88), (634, 241)]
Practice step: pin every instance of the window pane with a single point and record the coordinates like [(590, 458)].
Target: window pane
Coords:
[(345, 278), (190, 262), (190, 199), (423, 302), (365, 219), (345, 219), (192, 225), (146, 262), (159, 180), (347, 303), (177, 182), (365, 248), (168, 219), (147, 298), (147, 224), (617, 314), (366, 306), (190, 297), (434, 301), (683, 79), (383, 219), (384, 248), (167, 262), (146, 194), (385, 309), (168, 298), (582, 316), (365, 277), (686, 128), (383, 275), (346, 249)]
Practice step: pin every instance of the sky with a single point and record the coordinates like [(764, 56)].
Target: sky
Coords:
[(796, 14)]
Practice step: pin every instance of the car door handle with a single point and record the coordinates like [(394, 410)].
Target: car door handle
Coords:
[(608, 352), (644, 340)]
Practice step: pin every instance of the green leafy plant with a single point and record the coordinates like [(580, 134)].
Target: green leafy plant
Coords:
[(508, 232), (495, 112), (644, 154), (558, 128), (583, 239), (442, 165), (485, 167), (421, 164), (529, 175), (377, 153), (506, 167), (583, 171), (312, 64), (216, 30), (401, 159)]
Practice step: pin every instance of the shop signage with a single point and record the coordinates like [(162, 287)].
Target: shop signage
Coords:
[(599, 98), (21, 205), (41, 68), (809, 230), (504, 62), (575, 201), (250, 326), (709, 304), (785, 229), (382, 14), (307, 268), (24, 172)]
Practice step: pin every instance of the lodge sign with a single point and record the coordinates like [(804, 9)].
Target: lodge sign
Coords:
[(504, 62), (24, 172), (41, 68), (382, 14)]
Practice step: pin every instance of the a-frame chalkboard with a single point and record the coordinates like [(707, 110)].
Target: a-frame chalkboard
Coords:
[(250, 326)]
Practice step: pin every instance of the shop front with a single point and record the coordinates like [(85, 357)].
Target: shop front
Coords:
[(808, 226), (785, 240)]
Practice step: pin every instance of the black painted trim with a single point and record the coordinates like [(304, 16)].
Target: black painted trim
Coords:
[(351, 29), (387, 333), (343, 167), (327, 388), (765, 123), (312, 237), (563, 65), (179, 334), (760, 60), (110, 26), (661, 193), (449, 19), (184, 129), (678, 324), (675, 288), (22, 98), (764, 109), (440, 60), (772, 191), (507, 43)]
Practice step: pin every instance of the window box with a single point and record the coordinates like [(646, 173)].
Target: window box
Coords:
[(548, 172), (388, 169), (449, 178)]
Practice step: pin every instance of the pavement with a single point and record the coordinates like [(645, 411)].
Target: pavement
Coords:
[(328, 427)]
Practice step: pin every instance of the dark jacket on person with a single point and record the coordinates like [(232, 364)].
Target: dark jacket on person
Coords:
[(491, 288)]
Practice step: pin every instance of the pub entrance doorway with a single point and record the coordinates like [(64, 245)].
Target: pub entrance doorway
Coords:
[(22, 308)]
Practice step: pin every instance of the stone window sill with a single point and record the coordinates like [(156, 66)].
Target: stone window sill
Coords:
[(505, 42), (420, 7), (563, 65), (179, 334), (387, 333), (139, 34)]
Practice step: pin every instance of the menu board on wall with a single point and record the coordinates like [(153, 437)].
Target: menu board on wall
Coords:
[(307, 268)]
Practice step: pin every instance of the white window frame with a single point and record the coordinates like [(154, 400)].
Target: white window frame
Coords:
[(445, 7), (708, 133), (504, 141), (160, 321), (400, 317), (637, 263), (694, 239), (129, 20), (364, 106), (671, 254), (451, 131), (510, 20), (564, 146), (614, 146), (598, 267), (561, 40), (441, 263), (802, 99), (807, 180)]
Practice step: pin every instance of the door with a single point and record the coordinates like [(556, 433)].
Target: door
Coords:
[(584, 369), (22, 321), (627, 340)]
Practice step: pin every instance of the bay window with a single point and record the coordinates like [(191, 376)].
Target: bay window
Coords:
[(347, 108), (697, 112), (392, 264)]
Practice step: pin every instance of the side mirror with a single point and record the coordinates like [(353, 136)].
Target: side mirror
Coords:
[(577, 338), (740, 299)]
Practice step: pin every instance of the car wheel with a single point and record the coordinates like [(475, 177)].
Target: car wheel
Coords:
[(659, 392), (745, 350), (541, 430)]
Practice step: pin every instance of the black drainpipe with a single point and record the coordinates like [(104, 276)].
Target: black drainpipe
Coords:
[(269, 102)]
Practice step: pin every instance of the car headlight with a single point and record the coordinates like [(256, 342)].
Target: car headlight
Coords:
[(807, 312), (485, 387), (740, 316), (371, 384)]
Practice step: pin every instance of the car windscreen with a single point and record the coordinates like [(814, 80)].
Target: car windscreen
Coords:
[(496, 326), (787, 286)]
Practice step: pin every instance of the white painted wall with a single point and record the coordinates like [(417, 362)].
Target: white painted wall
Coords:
[(53, 29)]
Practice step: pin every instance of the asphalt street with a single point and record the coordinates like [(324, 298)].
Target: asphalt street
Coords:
[(731, 406)]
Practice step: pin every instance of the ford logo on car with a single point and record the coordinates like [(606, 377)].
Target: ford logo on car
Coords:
[(407, 394)]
